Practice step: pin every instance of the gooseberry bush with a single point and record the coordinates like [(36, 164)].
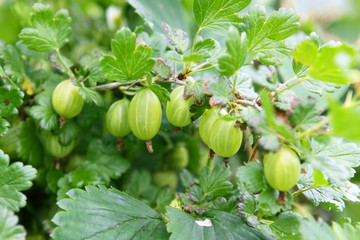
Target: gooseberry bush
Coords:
[(219, 133)]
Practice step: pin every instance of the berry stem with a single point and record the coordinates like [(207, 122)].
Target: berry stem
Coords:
[(149, 146)]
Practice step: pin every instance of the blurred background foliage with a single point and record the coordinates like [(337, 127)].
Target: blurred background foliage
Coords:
[(95, 22)]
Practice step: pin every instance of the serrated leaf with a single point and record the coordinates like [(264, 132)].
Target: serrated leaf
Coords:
[(319, 87), (196, 91), (139, 184), (217, 16), (120, 216), (176, 37), (265, 35), (330, 63), (44, 112), (204, 47), (10, 99), (15, 65), (305, 115), (215, 182), (212, 225), (220, 90), (131, 62), (335, 159), (162, 69), (252, 176), (161, 92), (194, 57), (9, 228), (90, 95), (3, 126), (284, 100), (14, 179), (268, 202), (69, 132), (91, 63), (285, 227), (243, 86), (314, 230), (49, 31), (30, 148), (234, 59), (247, 208)]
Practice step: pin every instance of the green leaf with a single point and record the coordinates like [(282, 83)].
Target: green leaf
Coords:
[(326, 197), (217, 16), (44, 112), (331, 63), (3, 126), (161, 92), (9, 228), (90, 95), (211, 225), (49, 31), (220, 90), (269, 204), (177, 38), (342, 117), (335, 159), (247, 208), (234, 59), (14, 178), (154, 13), (305, 115), (284, 100), (252, 176), (265, 35), (131, 62), (314, 230), (204, 47), (139, 184), (69, 132), (269, 126), (10, 99), (162, 69), (91, 63), (15, 65), (196, 91), (243, 86), (118, 216), (30, 147), (215, 182), (285, 227), (194, 57)]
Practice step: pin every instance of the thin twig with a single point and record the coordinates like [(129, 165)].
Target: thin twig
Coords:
[(250, 103)]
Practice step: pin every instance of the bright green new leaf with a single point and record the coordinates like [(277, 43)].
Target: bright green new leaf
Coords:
[(131, 62), (345, 120), (330, 63), (211, 226), (14, 179), (102, 213), (215, 182), (49, 32), (217, 16), (9, 228), (235, 57)]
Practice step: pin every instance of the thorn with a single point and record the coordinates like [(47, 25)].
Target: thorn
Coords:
[(149, 146)]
